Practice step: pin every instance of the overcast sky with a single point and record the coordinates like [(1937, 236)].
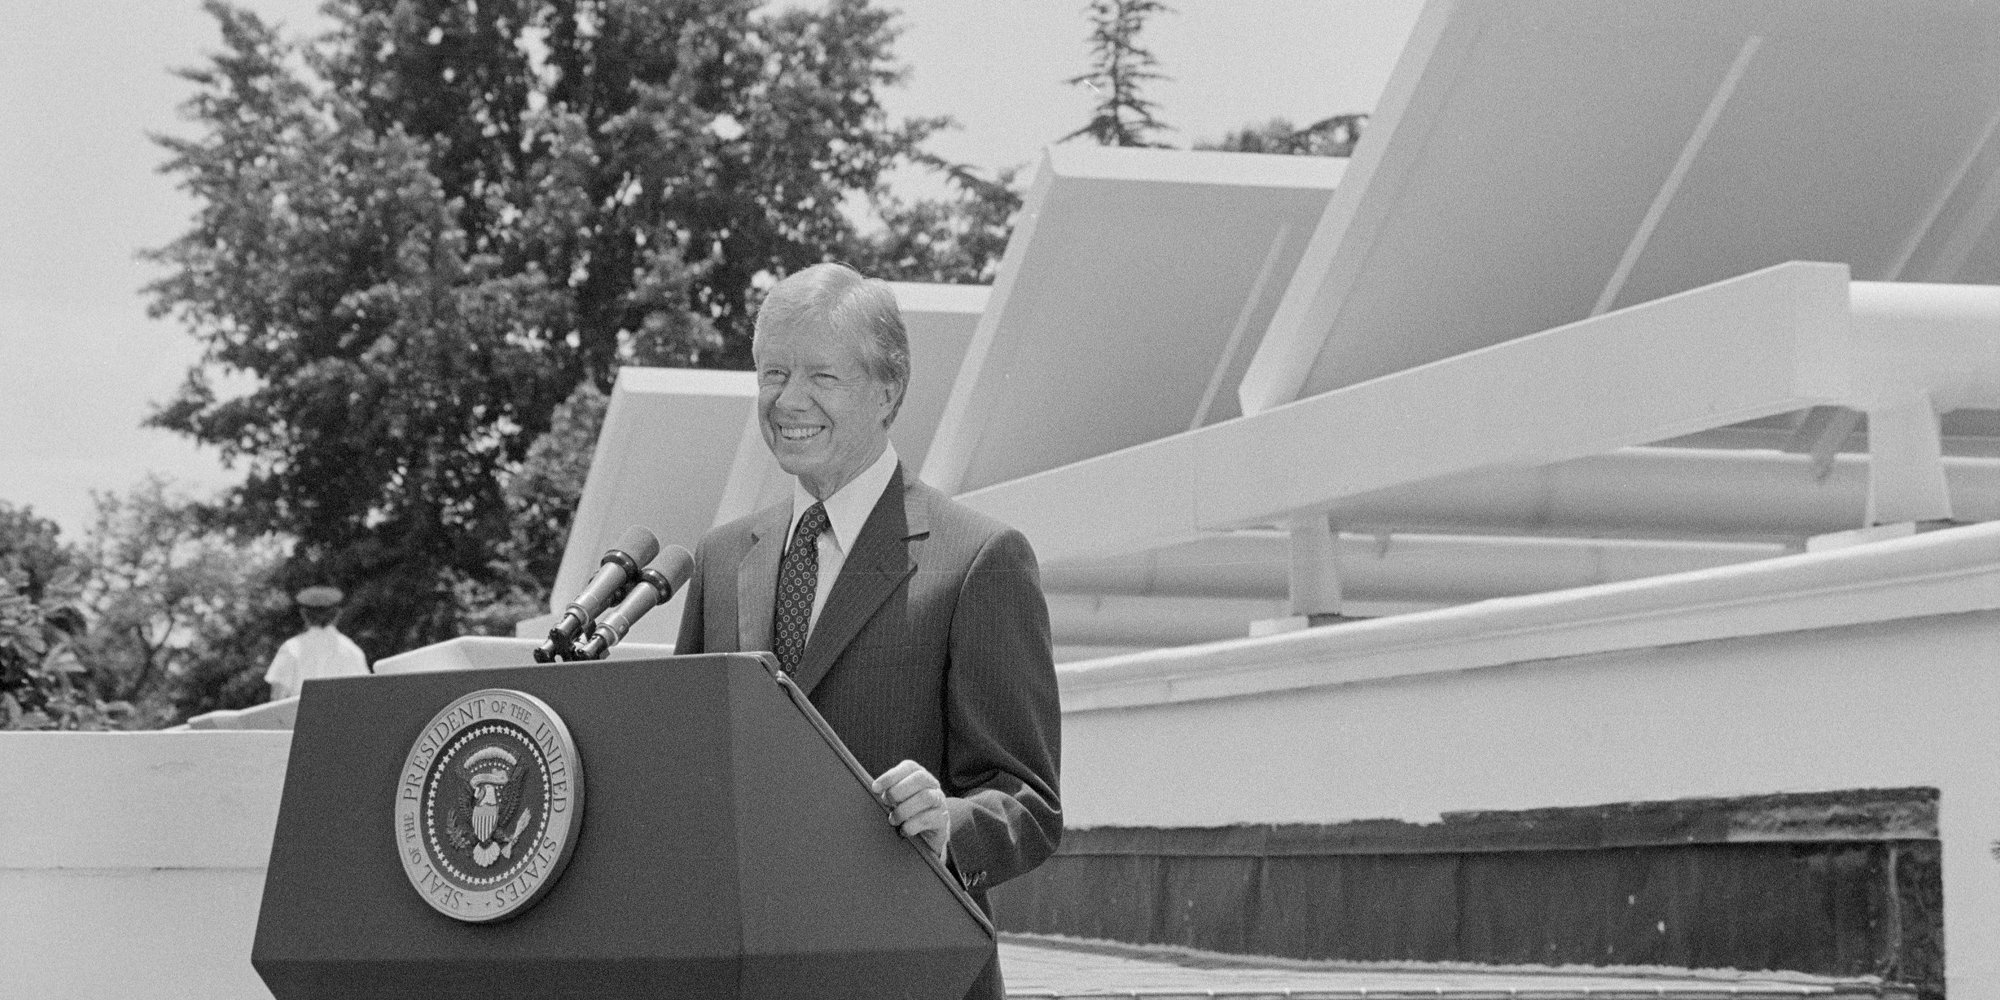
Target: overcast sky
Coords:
[(83, 82)]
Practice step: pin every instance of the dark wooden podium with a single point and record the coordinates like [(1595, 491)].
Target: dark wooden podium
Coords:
[(728, 847)]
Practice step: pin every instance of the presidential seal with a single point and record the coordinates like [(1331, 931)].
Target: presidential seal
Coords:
[(489, 805)]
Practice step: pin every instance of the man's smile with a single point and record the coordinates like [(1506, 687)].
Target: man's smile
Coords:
[(799, 433)]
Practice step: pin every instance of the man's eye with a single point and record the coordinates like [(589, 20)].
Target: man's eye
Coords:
[(770, 378), (825, 378)]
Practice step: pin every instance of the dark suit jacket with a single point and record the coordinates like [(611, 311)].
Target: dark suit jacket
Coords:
[(933, 646)]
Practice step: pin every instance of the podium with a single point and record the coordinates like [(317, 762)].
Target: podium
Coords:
[(727, 846)]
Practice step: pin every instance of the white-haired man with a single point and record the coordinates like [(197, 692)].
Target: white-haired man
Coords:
[(916, 625)]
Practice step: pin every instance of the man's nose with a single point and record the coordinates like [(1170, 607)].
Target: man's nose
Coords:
[(792, 395)]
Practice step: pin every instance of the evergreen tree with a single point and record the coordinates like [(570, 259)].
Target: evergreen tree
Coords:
[(1120, 67)]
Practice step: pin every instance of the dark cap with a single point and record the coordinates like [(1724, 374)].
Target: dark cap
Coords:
[(318, 597)]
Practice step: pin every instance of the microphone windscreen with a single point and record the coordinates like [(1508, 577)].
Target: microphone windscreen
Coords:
[(676, 564), (640, 544)]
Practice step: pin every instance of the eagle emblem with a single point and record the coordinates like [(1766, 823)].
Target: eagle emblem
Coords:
[(490, 816), (487, 804)]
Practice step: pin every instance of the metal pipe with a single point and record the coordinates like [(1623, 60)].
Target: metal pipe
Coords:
[(1430, 569), (1682, 493)]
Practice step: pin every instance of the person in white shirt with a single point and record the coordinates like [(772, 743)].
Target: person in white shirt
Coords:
[(319, 651)]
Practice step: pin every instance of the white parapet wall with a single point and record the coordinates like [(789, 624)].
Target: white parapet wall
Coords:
[(131, 864), (1871, 667)]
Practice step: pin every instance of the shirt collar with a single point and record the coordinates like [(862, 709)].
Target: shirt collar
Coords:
[(848, 508)]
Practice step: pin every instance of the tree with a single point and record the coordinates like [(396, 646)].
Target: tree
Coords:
[(39, 624), (39, 670), (1120, 67), (542, 494), (32, 553), (960, 241), (1334, 136), (419, 234), (232, 649), (170, 592)]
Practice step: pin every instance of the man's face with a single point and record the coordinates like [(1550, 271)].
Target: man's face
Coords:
[(823, 416)]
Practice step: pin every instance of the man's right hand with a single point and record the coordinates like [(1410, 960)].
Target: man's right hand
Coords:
[(915, 802)]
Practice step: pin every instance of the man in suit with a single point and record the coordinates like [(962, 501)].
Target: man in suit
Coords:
[(916, 626)]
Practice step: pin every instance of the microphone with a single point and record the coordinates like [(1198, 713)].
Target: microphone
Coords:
[(655, 587), (635, 548)]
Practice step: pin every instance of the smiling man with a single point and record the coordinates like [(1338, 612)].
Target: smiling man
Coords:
[(916, 626)]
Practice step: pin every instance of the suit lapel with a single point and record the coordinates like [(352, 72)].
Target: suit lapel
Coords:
[(757, 578), (882, 559)]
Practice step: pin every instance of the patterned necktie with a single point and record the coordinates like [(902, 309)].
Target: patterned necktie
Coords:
[(798, 579)]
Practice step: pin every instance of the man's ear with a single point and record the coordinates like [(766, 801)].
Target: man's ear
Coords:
[(896, 391)]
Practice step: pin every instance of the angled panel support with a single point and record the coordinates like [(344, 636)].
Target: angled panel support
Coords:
[(1625, 378)]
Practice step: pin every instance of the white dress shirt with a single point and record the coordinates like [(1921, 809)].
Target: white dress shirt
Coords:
[(846, 511)]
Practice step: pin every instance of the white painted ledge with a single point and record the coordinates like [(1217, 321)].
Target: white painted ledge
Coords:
[(183, 800), (471, 652), (484, 652), (1939, 573), (279, 714)]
